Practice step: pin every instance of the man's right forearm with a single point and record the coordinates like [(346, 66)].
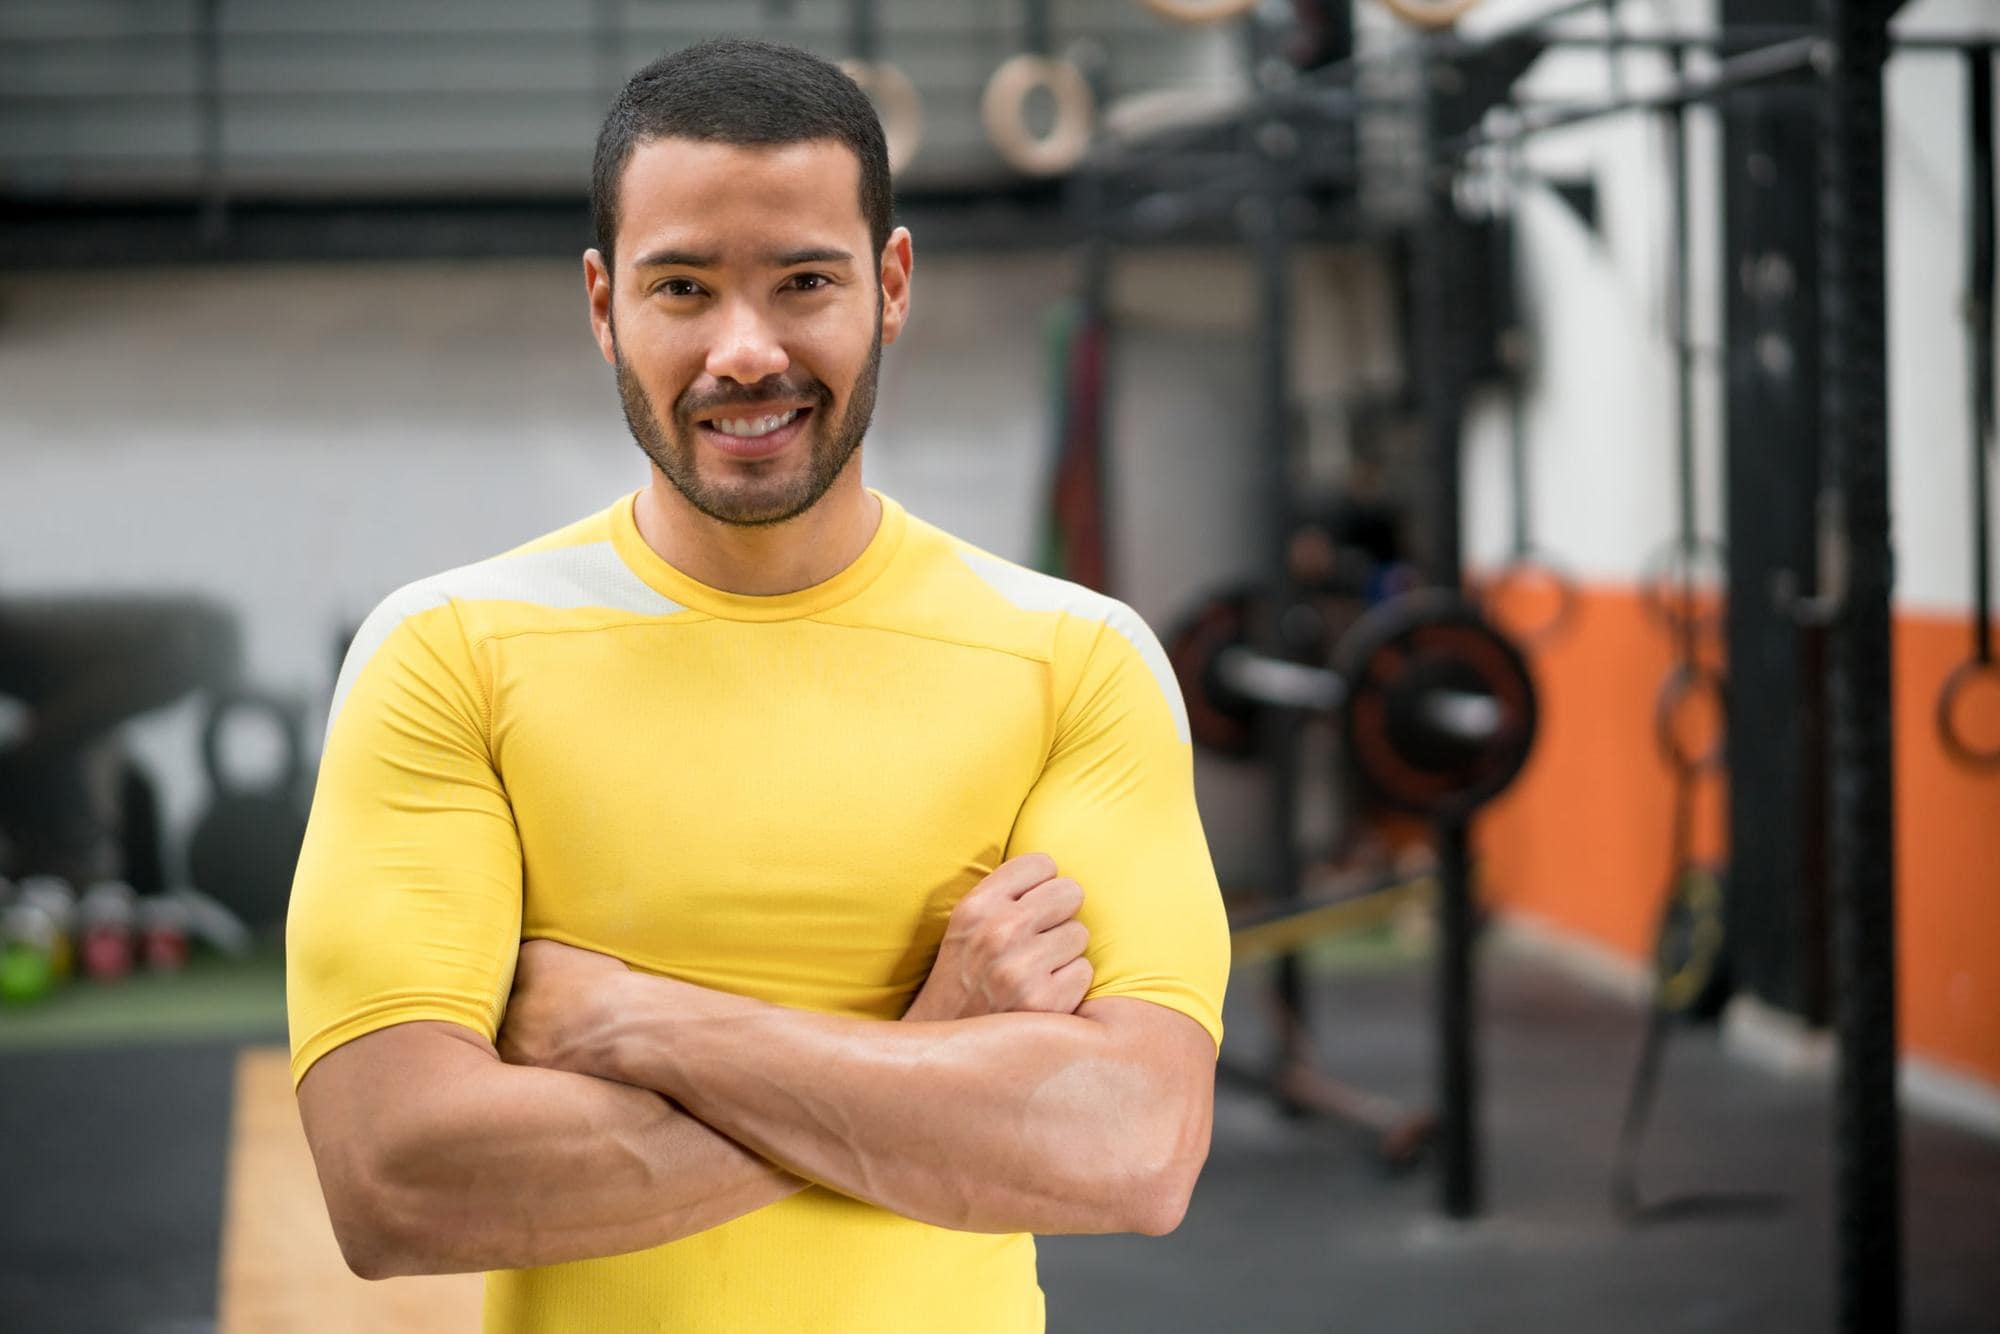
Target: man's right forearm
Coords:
[(476, 1165)]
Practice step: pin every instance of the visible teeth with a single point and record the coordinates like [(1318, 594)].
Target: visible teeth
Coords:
[(750, 427)]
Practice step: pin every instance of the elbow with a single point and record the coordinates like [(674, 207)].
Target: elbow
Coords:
[(366, 1257), (370, 1246), (1150, 1203), (1160, 1209), (1160, 1189), (373, 1226), (364, 1243)]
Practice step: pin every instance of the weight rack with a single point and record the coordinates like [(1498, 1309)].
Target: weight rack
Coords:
[(1841, 58)]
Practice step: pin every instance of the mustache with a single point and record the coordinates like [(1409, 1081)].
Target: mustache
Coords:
[(692, 407)]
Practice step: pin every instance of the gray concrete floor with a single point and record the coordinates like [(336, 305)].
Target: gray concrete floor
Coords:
[(111, 1167), (1294, 1231)]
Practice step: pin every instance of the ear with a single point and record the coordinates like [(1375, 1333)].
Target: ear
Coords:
[(597, 284), (895, 278)]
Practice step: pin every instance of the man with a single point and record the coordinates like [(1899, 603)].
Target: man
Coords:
[(698, 792)]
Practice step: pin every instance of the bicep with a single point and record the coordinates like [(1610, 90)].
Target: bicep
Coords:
[(406, 904), (1115, 807)]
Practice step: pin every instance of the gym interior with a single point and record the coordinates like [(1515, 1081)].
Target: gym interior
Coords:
[(1552, 442)]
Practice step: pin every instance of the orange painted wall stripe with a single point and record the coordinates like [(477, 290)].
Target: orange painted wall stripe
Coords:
[(1582, 840), (1947, 859)]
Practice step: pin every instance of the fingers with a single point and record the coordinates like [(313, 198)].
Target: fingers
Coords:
[(1051, 902), (1058, 945), (1016, 876), (1070, 984)]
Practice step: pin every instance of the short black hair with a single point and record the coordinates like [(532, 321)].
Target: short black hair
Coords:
[(737, 90)]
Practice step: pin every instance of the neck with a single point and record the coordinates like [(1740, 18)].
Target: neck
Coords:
[(769, 559)]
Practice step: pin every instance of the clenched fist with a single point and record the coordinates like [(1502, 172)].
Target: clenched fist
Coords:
[(1013, 943)]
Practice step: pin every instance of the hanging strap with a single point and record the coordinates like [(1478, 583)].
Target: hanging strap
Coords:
[(1979, 315), (1979, 265)]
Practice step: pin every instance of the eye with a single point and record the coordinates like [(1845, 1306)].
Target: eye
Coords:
[(679, 287), (809, 282)]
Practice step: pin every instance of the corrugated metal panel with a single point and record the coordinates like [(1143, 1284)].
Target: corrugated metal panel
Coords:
[(105, 99)]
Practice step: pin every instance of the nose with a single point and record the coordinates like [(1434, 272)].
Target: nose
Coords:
[(746, 348)]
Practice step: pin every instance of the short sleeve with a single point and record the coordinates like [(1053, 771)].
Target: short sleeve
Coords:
[(407, 900), (1115, 807)]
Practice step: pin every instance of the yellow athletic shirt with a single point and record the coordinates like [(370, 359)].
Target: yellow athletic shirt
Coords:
[(781, 797)]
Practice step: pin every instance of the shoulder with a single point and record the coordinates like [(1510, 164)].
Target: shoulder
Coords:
[(1081, 631), (541, 584)]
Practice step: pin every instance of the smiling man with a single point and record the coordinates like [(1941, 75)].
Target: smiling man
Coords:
[(751, 908)]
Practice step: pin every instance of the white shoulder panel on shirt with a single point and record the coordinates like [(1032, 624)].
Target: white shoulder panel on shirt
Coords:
[(1031, 590), (588, 575)]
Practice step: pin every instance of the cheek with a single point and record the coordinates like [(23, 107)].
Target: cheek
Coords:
[(662, 358), (833, 353)]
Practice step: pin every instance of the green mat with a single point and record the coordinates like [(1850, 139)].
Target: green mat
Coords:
[(210, 998)]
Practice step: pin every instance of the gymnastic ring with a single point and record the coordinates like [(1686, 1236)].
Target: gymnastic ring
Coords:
[(1674, 562), (1525, 567), (1433, 14), (1955, 743), (1006, 97), (1194, 13), (1683, 680), (897, 101)]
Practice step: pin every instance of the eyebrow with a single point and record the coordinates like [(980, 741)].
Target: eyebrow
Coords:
[(688, 259)]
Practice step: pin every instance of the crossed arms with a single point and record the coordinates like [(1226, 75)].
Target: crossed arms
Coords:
[(632, 1110)]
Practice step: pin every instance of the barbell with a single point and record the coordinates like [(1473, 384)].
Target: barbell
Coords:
[(1437, 707)]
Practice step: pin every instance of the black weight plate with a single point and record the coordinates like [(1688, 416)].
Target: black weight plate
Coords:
[(1218, 719), (1396, 660), (244, 851)]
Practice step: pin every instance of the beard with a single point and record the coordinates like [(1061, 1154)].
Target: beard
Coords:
[(768, 491)]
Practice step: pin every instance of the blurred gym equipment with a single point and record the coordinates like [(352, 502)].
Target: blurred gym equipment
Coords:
[(1003, 105), (80, 666), (1436, 706), (1529, 576), (246, 845), (897, 101)]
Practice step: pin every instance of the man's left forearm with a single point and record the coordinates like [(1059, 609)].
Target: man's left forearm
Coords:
[(1004, 1123)]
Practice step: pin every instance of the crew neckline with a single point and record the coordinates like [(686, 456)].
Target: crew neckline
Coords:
[(691, 593)]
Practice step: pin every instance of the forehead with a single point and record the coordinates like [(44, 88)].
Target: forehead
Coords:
[(715, 197)]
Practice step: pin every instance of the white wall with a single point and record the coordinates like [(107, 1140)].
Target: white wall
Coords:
[(1930, 470)]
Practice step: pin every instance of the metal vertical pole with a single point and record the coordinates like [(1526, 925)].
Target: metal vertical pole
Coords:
[(1459, 1192), (1272, 144), (1438, 276), (1868, 1149)]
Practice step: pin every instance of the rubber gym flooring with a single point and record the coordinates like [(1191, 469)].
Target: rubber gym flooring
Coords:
[(113, 1159)]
